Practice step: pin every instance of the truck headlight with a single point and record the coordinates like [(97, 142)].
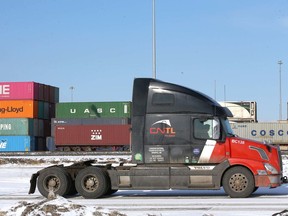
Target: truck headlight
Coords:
[(270, 168)]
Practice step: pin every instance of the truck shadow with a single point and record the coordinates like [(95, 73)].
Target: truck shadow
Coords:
[(261, 192), (282, 191)]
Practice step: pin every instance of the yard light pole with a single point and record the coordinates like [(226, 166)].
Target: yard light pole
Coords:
[(153, 39), (72, 89), (280, 91)]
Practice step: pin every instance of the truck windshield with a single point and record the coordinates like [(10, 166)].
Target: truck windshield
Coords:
[(227, 127)]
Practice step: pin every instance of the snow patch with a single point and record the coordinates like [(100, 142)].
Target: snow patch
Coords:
[(15, 161), (56, 207)]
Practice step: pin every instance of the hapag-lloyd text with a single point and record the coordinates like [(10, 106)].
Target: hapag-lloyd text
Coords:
[(11, 109)]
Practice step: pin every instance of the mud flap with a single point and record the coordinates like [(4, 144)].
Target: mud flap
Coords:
[(33, 181)]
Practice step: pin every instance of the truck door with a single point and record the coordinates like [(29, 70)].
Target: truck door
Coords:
[(182, 138), (206, 140), (167, 138)]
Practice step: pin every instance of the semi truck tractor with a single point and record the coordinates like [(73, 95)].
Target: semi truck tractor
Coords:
[(180, 139)]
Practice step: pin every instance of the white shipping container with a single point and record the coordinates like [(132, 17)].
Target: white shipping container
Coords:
[(276, 133), (242, 111)]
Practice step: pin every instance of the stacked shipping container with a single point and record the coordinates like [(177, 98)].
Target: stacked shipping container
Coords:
[(25, 112), (90, 126)]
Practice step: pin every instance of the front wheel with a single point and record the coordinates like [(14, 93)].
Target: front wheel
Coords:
[(238, 182), (92, 182)]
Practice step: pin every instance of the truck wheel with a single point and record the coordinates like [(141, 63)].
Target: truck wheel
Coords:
[(91, 183), (238, 182), (55, 179)]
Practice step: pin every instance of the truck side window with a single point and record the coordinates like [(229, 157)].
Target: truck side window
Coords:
[(206, 129)]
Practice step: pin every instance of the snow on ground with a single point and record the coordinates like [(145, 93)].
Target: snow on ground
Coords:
[(59, 206), (8, 161)]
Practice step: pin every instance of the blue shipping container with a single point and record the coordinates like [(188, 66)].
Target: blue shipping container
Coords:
[(17, 143)]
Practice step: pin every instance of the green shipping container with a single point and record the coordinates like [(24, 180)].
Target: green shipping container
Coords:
[(93, 110), (19, 127)]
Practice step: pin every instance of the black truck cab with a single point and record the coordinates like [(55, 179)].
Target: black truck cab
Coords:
[(171, 123)]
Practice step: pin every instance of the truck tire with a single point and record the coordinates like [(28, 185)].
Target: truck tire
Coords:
[(91, 182), (238, 182), (55, 179)]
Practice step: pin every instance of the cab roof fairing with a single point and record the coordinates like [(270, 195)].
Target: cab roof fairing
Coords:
[(218, 109), (143, 85)]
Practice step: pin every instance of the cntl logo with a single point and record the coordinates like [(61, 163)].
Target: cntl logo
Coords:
[(166, 129)]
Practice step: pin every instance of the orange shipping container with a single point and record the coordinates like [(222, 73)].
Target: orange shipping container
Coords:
[(19, 109)]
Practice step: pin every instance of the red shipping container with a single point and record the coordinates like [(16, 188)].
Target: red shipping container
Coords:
[(19, 91), (98, 135)]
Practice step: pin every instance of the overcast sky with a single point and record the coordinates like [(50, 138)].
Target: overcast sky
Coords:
[(228, 49)]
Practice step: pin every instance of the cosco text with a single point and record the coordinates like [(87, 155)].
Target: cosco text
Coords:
[(269, 133)]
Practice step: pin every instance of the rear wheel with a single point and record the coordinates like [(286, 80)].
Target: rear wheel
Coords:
[(238, 182), (54, 179), (92, 182)]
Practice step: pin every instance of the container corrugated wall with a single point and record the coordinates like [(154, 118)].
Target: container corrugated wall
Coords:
[(17, 143), (26, 109), (93, 109), (97, 135), (18, 126), (19, 91), (28, 91), (87, 121), (276, 133), (19, 109), (24, 127)]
